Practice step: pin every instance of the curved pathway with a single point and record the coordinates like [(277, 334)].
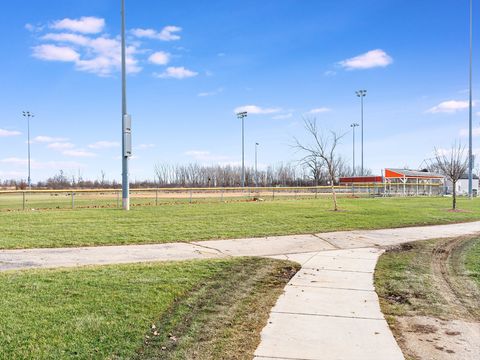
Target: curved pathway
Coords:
[(329, 309)]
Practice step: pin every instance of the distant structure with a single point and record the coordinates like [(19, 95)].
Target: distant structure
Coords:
[(403, 182), (462, 185)]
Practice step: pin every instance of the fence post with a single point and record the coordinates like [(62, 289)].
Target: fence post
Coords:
[(273, 194), (222, 195), (190, 196), (156, 197), (118, 199), (73, 200), (316, 191), (23, 193)]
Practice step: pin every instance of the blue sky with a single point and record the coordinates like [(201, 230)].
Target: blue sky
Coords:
[(192, 63)]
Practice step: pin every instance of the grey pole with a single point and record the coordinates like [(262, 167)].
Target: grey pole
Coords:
[(242, 116), (256, 158), (470, 105), (361, 94), (353, 126), (28, 115), (125, 122)]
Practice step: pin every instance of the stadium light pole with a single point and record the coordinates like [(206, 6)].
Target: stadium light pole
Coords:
[(353, 126), (470, 105), (361, 94), (28, 115), (256, 158), (126, 123), (242, 115)]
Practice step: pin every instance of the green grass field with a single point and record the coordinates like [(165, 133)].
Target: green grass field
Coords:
[(190, 222), (472, 262), (142, 311)]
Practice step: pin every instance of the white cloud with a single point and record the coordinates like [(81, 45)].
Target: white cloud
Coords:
[(203, 155), (7, 133), (176, 73), (210, 93), (146, 146), (78, 153), (104, 145), (282, 116), (449, 106), (60, 145), (84, 25), (159, 58), (48, 139), (67, 38), (368, 60), (100, 55), (319, 110), (168, 33), (256, 110), (51, 52)]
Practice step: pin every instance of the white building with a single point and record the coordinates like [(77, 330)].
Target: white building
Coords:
[(462, 185)]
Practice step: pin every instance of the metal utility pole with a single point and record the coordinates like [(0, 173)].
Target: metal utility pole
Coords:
[(256, 158), (126, 123), (470, 105), (353, 126), (361, 94), (28, 115), (242, 115)]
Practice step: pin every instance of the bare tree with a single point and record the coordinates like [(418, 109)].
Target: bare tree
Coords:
[(322, 151), (453, 164)]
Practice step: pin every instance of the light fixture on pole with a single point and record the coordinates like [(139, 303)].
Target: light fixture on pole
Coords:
[(242, 115), (256, 158), (28, 115), (361, 94), (353, 126), (470, 105), (126, 123)]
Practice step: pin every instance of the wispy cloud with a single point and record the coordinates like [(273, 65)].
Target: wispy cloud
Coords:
[(78, 153), (319, 110), (85, 25), (48, 139), (211, 93), (203, 155), (168, 33), (256, 110), (282, 116), (146, 146), (159, 58), (104, 145), (60, 145), (449, 106), (176, 73), (475, 132), (368, 60), (8, 133), (39, 165)]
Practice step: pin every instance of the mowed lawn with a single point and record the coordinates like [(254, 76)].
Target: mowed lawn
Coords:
[(180, 310), (190, 222)]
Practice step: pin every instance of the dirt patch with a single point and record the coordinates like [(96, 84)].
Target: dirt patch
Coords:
[(427, 338)]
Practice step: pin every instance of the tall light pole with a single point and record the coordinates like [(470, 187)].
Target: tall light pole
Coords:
[(256, 158), (353, 126), (28, 115), (470, 105), (361, 94), (126, 123), (242, 115)]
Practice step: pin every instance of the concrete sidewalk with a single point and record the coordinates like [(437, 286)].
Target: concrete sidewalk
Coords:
[(329, 309), (268, 246)]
